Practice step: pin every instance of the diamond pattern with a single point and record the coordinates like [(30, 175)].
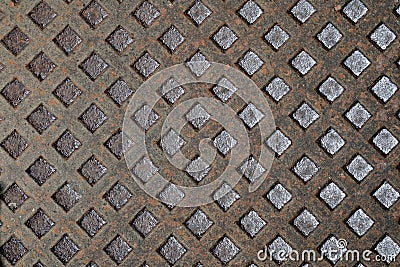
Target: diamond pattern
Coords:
[(306, 222), (332, 245), (171, 90), (172, 38), (225, 37), (41, 119), (251, 116), (42, 14), (93, 66), (197, 116), (251, 62), (358, 115), (40, 223), (252, 223), (93, 170), (303, 10), (198, 169), (387, 195), (357, 63), (225, 250), (118, 249), (224, 89), (171, 195), (118, 144), (384, 89), (67, 92), (16, 41), (119, 92), (279, 196), (385, 141), (94, 14), (331, 89), (144, 222), (65, 249), (146, 14), (41, 66), (279, 249), (332, 142), (66, 144), (13, 250), (382, 36), (118, 196), (14, 197), (359, 168), (14, 144), (66, 197), (252, 169), (389, 248), (15, 92), (226, 196), (303, 62), (276, 37), (120, 39), (172, 142), (146, 65), (93, 117), (41, 170), (355, 10), (198, 64), (302, 44), (224, 142), (305, 115), (305, 168), (278, 142), (68, 40), (360, 222), (250, 12), (332, 195), (199, 12), (145, 117), (144, 169), (199, 223), (329, 36), (172, 251), (277, 88), (91, 222)]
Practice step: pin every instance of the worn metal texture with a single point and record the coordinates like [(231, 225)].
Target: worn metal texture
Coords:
[(329, 71)]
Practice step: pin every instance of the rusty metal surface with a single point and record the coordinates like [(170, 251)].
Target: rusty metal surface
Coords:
[(329, 71)]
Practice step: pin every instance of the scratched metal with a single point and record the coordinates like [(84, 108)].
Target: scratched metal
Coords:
[(329, 71)]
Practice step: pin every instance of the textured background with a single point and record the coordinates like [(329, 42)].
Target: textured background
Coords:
[(27, 238)]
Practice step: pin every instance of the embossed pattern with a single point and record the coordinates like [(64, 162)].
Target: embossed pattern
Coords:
[(330, 71)]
